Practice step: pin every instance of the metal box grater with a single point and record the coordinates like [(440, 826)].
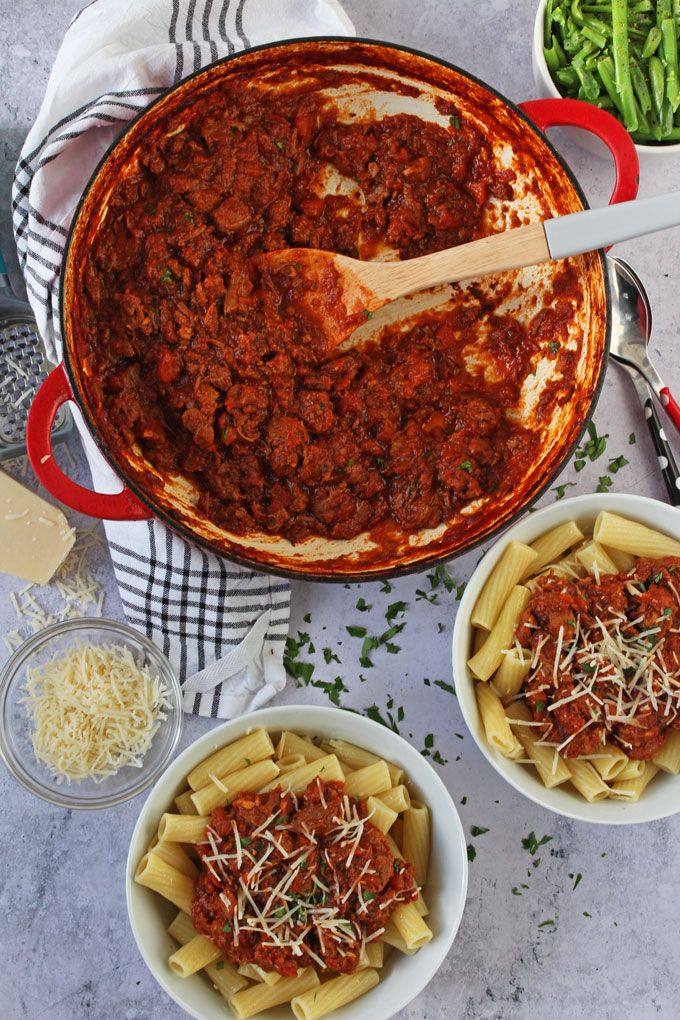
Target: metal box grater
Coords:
[(23, 368)]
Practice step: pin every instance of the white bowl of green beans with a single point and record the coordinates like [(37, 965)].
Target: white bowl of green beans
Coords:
[(620, 55)]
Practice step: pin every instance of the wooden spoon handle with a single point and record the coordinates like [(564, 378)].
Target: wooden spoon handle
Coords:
[(512, 249)]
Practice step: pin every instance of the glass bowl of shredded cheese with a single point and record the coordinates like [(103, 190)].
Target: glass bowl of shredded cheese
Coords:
[(90, 713)]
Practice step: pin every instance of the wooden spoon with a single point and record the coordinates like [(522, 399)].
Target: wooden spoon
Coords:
[(341, 292)]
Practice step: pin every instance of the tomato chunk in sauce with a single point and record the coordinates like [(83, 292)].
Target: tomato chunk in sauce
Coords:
[(289, 882)]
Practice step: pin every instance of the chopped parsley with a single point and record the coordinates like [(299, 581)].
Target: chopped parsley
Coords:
[(369, 315), (355, 631), (561, 489), (167, 276), (631, 439), (544, 924), (531, 843), (616, 463), (465, 465), (189, 217), (226, 926), (471, 852), (363, 606), (280, 146), (604, 483), (541, 706), (454, 122), (330, 656), (477, 830), (367, 896), (554, 346), (219, 965)]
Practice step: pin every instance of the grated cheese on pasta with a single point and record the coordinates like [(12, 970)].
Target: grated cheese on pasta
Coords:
[(94, 710)]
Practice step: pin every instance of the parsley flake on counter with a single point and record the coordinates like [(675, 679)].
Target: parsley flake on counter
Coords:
[(545, 924), (441, 575), (616, 463), (386, 587), (307, 617), (449, 688), (631, 439), (477, 830), (471, 852), (363, 606), (330, 656), (604, 483), (532, 844), (355, 631), (393, 610), (561, 489), (463, 800), (576, 880)]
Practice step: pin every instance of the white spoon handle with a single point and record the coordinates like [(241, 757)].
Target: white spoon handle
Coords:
[(595, 228)]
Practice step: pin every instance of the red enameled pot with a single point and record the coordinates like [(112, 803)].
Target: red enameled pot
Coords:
[(558, 406)]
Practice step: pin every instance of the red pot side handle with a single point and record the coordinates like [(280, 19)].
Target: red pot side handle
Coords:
[(573, 113), (119, 506)]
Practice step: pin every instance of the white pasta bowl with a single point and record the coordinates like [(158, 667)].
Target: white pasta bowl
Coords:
[(402, 977), (662, 797)]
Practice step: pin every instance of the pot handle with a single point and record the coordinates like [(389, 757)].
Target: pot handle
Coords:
[(547, 113), (118, 506)]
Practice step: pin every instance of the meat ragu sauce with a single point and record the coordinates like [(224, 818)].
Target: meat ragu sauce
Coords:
[(292, 882), (606, 658), (213, 369)]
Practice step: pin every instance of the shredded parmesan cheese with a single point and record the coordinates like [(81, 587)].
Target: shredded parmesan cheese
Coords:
[(94, 710)]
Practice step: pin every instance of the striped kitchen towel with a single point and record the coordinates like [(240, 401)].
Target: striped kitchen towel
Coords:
[(223, 627)]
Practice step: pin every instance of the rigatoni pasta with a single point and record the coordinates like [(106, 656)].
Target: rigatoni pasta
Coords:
[(585, 676), (372, 794)]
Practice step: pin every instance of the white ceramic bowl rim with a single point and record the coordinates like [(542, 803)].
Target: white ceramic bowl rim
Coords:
[(448, 872), (662, 797), (543, 77)]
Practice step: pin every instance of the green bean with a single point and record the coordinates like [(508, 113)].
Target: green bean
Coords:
[(657, 83), (576, 13), (652, 43), (640, 87), (547, 25), (669, 37), (594, 36), (605, 69), (621, 62), (552, 59), (567, 76), (591, 89), (641, 136)]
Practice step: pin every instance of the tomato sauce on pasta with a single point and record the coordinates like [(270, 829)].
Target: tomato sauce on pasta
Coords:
[(289, 882), (605, 658)]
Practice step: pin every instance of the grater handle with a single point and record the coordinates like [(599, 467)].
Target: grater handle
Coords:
[(119, 506)]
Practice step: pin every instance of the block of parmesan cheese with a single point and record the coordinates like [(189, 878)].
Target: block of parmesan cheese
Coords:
[(35, 537)]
